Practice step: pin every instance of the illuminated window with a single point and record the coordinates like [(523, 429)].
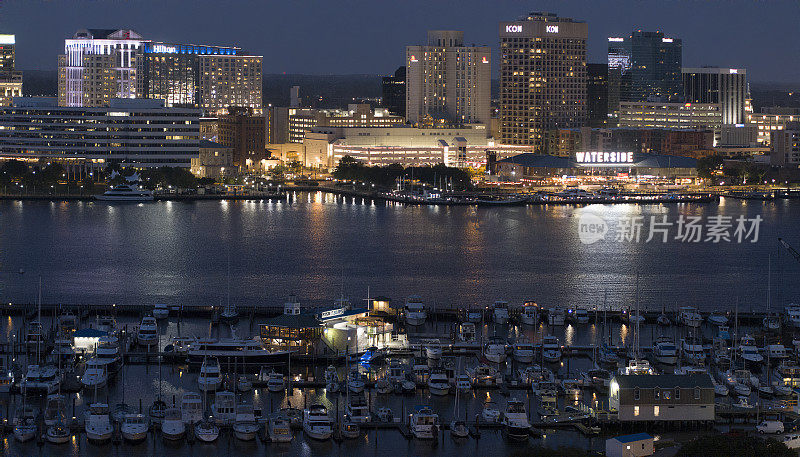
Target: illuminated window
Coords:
[(656, 411), (636, 410)]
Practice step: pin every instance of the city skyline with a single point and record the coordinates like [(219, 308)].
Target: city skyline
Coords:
[(364, 43)]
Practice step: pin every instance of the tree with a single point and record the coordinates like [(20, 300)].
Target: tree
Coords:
[(734, 445)]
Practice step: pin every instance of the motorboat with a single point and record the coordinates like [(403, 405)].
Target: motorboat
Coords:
[(279, 430), (771, 323), (556, 316), (126, 193), (724, 333), (134, 427), (689, 316), (276, 382), (535, 373), (40, 380), (107, 324), (54, 409), (223, 410), (748, 351), (229, 313), (157, 410), (25, 423), (551, 349), (739, 381), (160, 311), (383, 386), (793, 315), (107, 353), (579, 315), (244, 384), (355, 383), (357, 408), (718, 319), (58, 433), (515, 421), (423, 423), (459, 429), (191, 408), (95, 375), (316, 422), (210, 378), (571, 387), (631, 318), (485, 376), (172, 427), (463, 383), (63, 350), (692, 351), (665, 351), (637, 366), (348, 428), (438, 384), (598, 378), (466, 332), (248, 351), (148, 332), (495, 351), (663, 320), (414, 311), (490, 413), (500, 312), (98, 424), (523, 350), (433, 349), (206, 431), (384, 414), (720, 390), (474, 316), (607, 355), (530, 314), (245, 425), (331, 380)]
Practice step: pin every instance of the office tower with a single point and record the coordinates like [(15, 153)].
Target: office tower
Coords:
[(98, 65), (726, 86), (597, 94), (648, 65), (245, 133), (394, 92), (448, 83), (542, 77), (10, 78)]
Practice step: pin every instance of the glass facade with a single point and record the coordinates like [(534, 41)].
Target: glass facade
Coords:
[(648, 66)]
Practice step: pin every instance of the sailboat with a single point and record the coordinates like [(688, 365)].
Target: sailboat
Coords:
[(205, 430), (458, 428), (771, 323), (229, 313), (158, 408), (636, 365)]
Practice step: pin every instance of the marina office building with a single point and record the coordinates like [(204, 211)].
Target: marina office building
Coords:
[(133, 133)]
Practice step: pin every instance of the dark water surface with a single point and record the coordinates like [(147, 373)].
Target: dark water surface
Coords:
[(320, 246)]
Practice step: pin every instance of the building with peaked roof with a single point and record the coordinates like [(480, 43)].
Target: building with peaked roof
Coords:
[(662, 398), (635, 445)]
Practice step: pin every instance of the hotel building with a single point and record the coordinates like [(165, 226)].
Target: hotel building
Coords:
[(448, 83), (542, 77), (99, 65), (10, 78), (132, 133), (726, 86)]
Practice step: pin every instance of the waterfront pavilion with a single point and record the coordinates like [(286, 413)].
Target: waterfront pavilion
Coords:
[(298, 332)]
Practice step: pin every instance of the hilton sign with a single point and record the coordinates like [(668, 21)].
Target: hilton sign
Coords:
[(610, 158)]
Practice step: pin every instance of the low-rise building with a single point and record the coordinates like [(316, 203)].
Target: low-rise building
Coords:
[(703, 116), (662, 398), (636, 445), (214, 161), (289, 125)]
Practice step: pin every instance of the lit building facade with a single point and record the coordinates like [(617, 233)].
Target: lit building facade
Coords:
[(394, 92), (785, 146), (770, 120), (726, 86), (133, 133), (244, 132), (10, 78), (447, 82), (648, 65), (542, 77), (670, 115), (289, 125)]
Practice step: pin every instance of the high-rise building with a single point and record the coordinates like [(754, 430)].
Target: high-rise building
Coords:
[(448, 82), (785, 146), (10, 78), (597, 94), (726, 86), (542, 77), (99, 65), (394, 92), (648, 65)]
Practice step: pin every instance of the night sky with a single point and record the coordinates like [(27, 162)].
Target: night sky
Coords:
[(349, 37)]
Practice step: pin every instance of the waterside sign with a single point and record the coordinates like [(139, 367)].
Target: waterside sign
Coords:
[(605, 158)]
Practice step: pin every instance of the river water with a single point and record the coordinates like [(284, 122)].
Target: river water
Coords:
[(320, 246)]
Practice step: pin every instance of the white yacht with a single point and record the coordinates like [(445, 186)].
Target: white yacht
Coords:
[(134, 427), (523, 350), (348, 428), (414, 311), (771, 323), (148, 332), (485, 376), (126, 193), (98, 423), (107, 324), (438, 384), (206, 431), (793, 315), (579, 315), (316, 422), (718, 319), (551, 349), (160, 311), (245, 425), (690, 317), (40, 380), (515, 421), (776, 352), (58, 433), (556, 316), (107, 353), (530, 314), (423, 423), (357, 408), (748, 351), (279, 430), (665, 351), (692, 351), (95, 375), (355, 383), (433, 348), (172, 427), (463, 383), (500, 312), (250, 351), (495, 351), (25, 423), (224, 408), (331, 379), (191, 408), (210, 378)]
